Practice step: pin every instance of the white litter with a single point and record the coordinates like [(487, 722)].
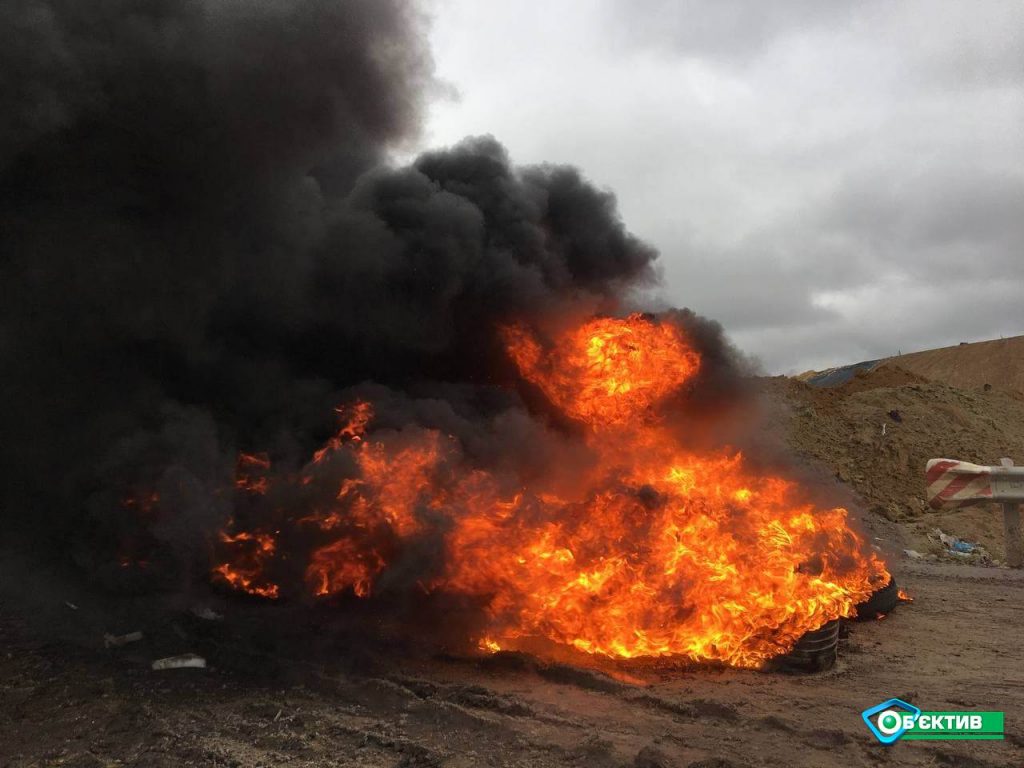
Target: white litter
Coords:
[(184, 661), (206, 613), (115, 641)]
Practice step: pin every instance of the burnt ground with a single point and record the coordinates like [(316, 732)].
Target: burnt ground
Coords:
[(70, 702)]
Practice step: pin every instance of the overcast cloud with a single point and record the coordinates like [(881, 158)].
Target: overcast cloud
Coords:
[(832, 181)]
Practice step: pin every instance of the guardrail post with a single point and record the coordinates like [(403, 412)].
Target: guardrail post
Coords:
[(1011, 529)]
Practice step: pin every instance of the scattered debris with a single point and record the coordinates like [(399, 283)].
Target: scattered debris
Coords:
[(896, 416), (70, 605), (116, 641), (959, 548), (955, 544), (913, 554), (184, 661), (205, 613)]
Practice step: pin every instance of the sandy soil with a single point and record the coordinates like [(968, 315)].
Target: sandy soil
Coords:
[(999, 363), (957, 646)]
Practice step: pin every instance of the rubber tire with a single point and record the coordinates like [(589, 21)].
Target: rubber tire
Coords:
[(881, 601), (816, 651)]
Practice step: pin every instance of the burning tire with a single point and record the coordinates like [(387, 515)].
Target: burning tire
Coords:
[(882, 601), (815, 652)]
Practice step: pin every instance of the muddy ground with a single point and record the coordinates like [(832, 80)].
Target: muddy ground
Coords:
[(957, 646)]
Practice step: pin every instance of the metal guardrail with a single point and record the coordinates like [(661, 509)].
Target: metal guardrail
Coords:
[(952, 483)]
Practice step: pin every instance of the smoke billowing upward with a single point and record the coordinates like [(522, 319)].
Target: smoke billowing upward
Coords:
[(201, 246)]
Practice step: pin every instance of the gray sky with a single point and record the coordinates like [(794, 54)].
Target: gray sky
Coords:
[(832, 181)]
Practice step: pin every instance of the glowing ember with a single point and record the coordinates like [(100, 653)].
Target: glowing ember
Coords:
[(142, 504), (904, 596), (343, 565), (655, 551), (250, 473), (250, 553)]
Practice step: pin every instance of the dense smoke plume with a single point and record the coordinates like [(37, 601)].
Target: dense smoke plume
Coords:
[(202, 250)]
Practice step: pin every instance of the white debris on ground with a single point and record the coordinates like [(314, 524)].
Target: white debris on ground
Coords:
[(205, 613), (183, 661), (116, 641)]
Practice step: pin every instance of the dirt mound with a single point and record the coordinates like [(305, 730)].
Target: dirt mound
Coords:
[(998, 363), (884, 376), (877, 432)]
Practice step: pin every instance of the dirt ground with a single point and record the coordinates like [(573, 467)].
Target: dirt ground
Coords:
[(957, 646), (998, 363)]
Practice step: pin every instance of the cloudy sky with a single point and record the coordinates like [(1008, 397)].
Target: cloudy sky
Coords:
[(832, 181)]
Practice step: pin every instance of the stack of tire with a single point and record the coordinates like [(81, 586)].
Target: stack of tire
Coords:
[(817, 651)]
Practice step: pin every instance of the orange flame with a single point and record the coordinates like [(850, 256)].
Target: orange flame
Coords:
[(607, 371), (141, 503), (250, 473), (244, 572), (655, 551)]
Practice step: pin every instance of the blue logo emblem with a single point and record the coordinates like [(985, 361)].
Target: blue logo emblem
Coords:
[(890, 719)]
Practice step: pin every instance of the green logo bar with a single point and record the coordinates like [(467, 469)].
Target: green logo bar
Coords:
[(973, 726), (896, 719)]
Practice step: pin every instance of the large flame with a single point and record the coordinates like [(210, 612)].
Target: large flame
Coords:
[(657, 550), (607, 372)]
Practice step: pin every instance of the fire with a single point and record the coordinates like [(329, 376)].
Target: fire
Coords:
[(244, 572), (144, 504), (674, 560), (656, 550), (373, 512), (250, 473), (608, 371)]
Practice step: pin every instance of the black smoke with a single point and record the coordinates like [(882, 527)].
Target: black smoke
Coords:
[(204, 248)]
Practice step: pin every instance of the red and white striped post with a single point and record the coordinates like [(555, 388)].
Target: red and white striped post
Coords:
[(953, 483)]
